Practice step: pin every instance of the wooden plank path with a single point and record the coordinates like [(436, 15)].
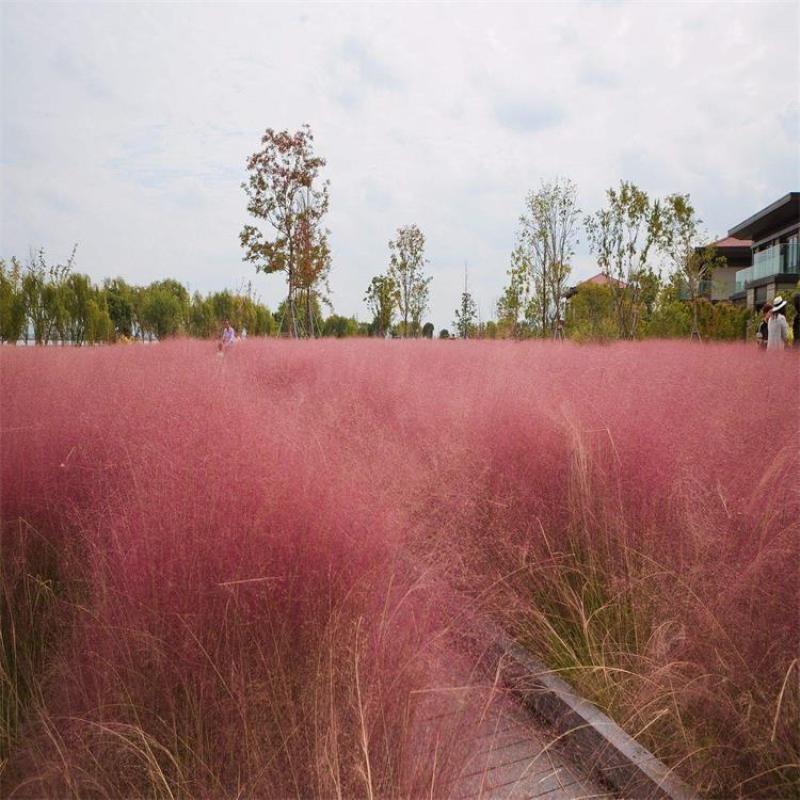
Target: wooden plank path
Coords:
[(509, 756), (516, 759), (501, 726)]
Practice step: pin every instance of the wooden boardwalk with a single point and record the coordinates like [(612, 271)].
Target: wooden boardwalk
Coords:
[(508, 754), (514, 758)]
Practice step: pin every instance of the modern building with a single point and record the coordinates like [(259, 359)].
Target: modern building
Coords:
[(775, 245), (738, 256)]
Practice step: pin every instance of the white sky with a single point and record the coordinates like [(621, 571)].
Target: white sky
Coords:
[(125, 127)]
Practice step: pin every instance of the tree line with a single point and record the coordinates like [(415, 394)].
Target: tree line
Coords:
[(651, 251), (653, 254), (48, 303)]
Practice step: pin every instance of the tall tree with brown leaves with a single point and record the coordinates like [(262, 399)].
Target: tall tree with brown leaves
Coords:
[(284, 189)]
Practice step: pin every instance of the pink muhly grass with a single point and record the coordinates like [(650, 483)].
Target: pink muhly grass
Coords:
[(237, 613), (235, 618)]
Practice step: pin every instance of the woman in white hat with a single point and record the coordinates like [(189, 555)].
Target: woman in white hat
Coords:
[(777, 328)]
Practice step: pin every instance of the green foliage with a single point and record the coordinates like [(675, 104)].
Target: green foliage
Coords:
[(427, 330), (406, 263), (672, 319), (42, 285), (380, 299), (466, 314), (545, 245), (675, 318), (119, 300), (263, 322), (162, 312), (591, 314), (512, 303), (680, 239), (12, 302), (340, 327), (444, 333), (622, 236), (65, 305), (202, 321)]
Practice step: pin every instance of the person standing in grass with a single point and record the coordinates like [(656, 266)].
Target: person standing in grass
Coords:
[(796, 321), (763, 328), (228, 336), (777, 328)]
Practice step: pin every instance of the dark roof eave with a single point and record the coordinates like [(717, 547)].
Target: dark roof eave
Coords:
[(741, 230)]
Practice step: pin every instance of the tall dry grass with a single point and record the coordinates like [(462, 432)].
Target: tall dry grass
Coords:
[(207, 594)]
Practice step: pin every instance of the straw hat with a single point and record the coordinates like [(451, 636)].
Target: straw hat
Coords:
[(778, 303)]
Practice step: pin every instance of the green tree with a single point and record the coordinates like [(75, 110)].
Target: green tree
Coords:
[(406, 264), (547, 238), (263, 321), (622, 235), (680, 239), (80, 308), (162, 312), (181, 295), (591, 313), (380, 299), (99, 325), (41, 288), (514, 299), (466, 315), (284, 191), (120, 306), (427, 330), (13, 318), (137, 298), (340, 327), (202, 321), (671, 319), (224, 306)]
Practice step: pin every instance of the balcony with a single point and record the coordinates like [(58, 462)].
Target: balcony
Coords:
[(743, 277), (777, 260)]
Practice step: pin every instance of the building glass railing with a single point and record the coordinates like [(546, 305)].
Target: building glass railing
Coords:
[(776, 260), (743, 277)]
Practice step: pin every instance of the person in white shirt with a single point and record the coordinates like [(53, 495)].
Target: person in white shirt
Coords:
[(777, 327), (228, 336)]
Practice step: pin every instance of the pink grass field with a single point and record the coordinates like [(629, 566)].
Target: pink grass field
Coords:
[(205, 588)]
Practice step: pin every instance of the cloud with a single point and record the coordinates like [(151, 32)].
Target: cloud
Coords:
[(528, 116), (594, 75), (370, 69), (77, 68), (132, 137), (357, 72)]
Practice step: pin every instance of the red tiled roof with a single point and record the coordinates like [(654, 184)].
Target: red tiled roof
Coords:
[(731, 241), (602, 280)]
